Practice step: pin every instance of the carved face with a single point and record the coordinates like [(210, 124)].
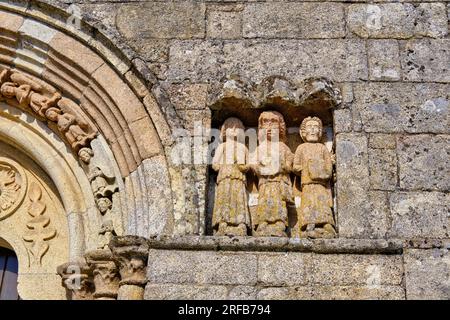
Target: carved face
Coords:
[(8, 91), (85, 155), (104, 204), (232, 128), (270, 125), (52, 115), (312, 131)]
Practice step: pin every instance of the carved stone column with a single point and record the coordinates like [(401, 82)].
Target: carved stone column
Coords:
[(131, 254), (77, 279), (105, 272)]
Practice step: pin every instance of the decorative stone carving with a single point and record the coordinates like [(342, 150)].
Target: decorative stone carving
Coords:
[(231, 215), (13, 185), (313, 163), (17, 88), (77, 278), (105, 272), (103, 187), (131, 254), (39, 229), (273, 168)]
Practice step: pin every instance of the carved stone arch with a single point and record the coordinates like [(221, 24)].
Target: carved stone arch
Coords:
[(112, 94)]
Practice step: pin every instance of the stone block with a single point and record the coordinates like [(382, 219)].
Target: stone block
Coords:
[(196, 61), (386, 20), (383, 169), (427, 274), (384, 61), (162, 20), (342, 120), (382, 141), (294, 269), (431, 20), (204, 267), (170, 291), (294, 20), (426, 60), (224, 24), (333, 293), (423, 162), (188, 96), (419, 215), (402, 107)]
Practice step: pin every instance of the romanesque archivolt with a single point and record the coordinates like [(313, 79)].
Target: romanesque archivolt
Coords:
[(268, 184), (68, 120), (26, 93), (13, 185), (39, 230)]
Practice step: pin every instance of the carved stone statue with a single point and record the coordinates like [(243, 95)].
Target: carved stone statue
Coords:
[(313, 163), (231, 215), (68, 125), (274, 163)]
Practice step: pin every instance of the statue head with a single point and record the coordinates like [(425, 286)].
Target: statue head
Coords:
[(8, 90), (270, 123), (104, 204), (52, 114), (232, 128), (311, 129), (85, 155)]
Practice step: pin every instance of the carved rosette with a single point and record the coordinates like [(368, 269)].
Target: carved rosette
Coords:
[(77, 278), (105, 272), (131, 254), (13, 186)]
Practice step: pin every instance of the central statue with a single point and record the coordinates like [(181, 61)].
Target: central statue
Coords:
[(274, 164)]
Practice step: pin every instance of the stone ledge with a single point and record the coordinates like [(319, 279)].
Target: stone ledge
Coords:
[(271, 244)]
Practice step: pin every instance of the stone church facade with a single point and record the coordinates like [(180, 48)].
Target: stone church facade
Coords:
[(113, 117)]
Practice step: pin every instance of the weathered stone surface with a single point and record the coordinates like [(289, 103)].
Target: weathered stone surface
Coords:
[(384, 61), (352, 181), (390, 20), (342, 120), (293, 20), (243, 293), (423, 162), (427, 274), (202, 61), (344, 59), (400, 107), (162, 20), (10, 21), (152, 50), (382, 141), (293, 269), (333, 293), (382, 169), (224, 24), (431, 20), (205, 267), (277, 244), (184, 292), (195, 60), (188, 96), (426, 60), (420, 214)]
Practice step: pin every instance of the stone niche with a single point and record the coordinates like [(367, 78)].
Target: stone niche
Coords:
[(243, 105)]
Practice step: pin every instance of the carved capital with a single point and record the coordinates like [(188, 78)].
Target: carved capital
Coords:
[(77, 278), (131, 254), (105, 272)]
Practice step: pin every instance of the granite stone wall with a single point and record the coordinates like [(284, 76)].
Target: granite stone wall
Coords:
[(391, 61)]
